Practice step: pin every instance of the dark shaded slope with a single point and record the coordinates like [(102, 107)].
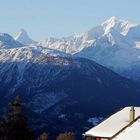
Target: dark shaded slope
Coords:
[(65, 92)]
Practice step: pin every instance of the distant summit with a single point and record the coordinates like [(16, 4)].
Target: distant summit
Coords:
[(119, 25), (24, 38)]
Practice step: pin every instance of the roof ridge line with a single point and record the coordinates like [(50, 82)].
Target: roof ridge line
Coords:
[(125, 127)]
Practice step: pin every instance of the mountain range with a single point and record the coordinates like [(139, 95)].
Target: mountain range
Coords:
[(66, 81), (114, 44)]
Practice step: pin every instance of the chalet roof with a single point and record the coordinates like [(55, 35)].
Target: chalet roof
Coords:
[(114, 124), (130, 133)]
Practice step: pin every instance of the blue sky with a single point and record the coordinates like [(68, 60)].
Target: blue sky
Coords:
[(57, 18)]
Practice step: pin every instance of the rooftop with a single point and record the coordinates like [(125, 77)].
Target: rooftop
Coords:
[(113, 124), (130, 133)]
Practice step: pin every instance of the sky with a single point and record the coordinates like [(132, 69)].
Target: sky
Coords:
[(58, 18)]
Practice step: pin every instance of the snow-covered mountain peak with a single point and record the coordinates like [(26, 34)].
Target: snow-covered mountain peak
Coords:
[(119, 25), (112, 32), (22, 33), (24, 38), (111, 21)]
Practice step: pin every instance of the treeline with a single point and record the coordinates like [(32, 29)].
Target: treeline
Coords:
[(63, 136), (15, 126)]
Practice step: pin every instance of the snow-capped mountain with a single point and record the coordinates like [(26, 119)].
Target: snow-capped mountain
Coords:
[(115, 44), (24, 38), (111, 32), (7, 42)]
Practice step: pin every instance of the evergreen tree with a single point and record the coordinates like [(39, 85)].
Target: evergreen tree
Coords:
[(66, 136), (15, 125)]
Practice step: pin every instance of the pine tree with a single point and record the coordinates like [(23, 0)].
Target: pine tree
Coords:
[(66, 136), (44, 136), (15, 124)]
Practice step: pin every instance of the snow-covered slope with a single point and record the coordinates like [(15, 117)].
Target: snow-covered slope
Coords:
[(6, 42), (27, 53), (24, 38)]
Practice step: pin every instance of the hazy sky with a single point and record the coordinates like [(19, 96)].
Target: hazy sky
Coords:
[(57, 18)]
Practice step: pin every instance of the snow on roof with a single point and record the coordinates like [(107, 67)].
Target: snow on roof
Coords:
[(130, 133), (113, 124)]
